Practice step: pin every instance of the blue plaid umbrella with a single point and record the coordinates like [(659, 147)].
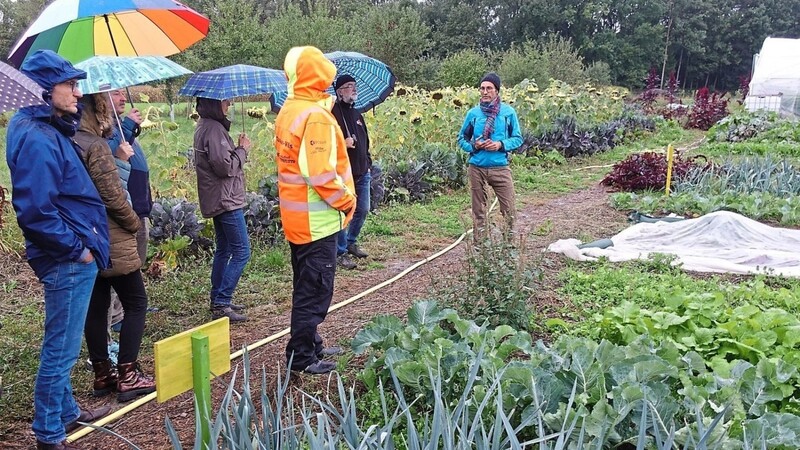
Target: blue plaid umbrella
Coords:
[(117, 72), (374, 79), (239, 80)]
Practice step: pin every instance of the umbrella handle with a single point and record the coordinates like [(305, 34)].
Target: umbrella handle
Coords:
[(130, 97), (242, 100), (116, 116)]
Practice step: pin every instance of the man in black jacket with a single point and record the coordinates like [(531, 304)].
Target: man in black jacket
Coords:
[(355, 133)]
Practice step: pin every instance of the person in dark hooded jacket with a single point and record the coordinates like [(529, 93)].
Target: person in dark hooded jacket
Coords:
[(220, 189), (64, 223), (356, 137)]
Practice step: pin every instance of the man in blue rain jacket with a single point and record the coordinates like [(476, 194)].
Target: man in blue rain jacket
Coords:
[(489, 133), (66, 236)]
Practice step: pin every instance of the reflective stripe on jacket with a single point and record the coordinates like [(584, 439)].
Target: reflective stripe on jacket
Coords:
[(315, 183)]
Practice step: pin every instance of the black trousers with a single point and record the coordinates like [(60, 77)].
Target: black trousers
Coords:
[(314, 267), (133, 297)]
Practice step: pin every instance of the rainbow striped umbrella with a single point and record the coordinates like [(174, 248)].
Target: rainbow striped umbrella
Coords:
[(80, 29)]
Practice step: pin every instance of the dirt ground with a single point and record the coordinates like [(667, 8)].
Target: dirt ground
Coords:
[(541, 221)]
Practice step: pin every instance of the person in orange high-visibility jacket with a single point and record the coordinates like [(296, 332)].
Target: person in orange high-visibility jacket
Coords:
[(317, 200)]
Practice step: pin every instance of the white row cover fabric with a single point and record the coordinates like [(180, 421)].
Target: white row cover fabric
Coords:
[(722, 242), (775, 84)]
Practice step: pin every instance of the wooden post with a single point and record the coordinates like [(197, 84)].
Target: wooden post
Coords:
[(670, 154)]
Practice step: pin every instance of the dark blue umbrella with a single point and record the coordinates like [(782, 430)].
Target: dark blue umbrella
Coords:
[(374, 79), (17, 90), (240, 80)]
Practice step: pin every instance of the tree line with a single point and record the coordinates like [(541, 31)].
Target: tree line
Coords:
[(446, 42)]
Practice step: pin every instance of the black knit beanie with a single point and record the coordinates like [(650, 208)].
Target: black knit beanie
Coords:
[(343, 80), (493, 78)]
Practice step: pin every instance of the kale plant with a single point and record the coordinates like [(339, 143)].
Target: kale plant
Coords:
[(262, 216), (174, 217)]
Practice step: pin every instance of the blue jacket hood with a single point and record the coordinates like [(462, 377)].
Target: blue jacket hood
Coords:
[(47, 68)]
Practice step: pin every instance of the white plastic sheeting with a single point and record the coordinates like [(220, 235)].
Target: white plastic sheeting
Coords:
[(775, 84), (718, 242)]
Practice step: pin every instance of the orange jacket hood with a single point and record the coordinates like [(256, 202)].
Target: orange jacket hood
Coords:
[(310, 73)]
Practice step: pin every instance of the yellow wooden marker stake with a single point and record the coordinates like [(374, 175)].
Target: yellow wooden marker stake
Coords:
[(188, 360), (670, 154), (173, 358)]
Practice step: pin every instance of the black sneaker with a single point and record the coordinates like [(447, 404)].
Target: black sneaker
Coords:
[(345, 262), (329, 351), (354, 250), (233, 306), (320, 367), (226, 311)]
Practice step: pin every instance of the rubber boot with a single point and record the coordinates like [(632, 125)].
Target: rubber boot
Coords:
[(132, 382), (105, 378)]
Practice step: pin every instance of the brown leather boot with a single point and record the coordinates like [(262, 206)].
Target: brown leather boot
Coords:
[(132, 382), (105, 378)]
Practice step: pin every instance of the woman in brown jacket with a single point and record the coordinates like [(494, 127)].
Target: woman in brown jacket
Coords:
[(220, 188), (109, 176)]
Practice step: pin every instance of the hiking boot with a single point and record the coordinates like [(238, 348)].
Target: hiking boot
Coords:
[(329, 351), (345, 262), (87, 416), (320, 367), (354, 250), (132, 383), (218, 312), (236, 307), (105, 378), (63, 445)]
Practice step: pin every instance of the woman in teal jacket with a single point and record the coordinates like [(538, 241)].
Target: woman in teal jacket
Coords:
[(489, 133)]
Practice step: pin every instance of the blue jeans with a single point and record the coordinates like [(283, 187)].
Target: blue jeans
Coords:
[(67, 289), (349, 235), (230, 257)]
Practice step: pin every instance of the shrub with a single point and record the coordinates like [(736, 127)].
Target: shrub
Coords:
[(523, 62), (553, 58), (464, 68), (598, 73), (564, 61)]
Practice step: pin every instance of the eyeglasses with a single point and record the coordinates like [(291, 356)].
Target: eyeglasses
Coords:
[(73, 85)]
